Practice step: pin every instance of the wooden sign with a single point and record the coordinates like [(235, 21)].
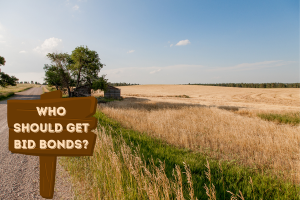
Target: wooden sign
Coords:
[(50, 127)]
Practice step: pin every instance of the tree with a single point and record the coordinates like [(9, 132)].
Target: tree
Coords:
[(80, 68), (86, 66), (100, 83), (2, 61), (5, 79), (60, 70), (52, 76)]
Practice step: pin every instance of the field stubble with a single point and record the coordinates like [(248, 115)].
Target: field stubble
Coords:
[(224, 135), (256, 98)]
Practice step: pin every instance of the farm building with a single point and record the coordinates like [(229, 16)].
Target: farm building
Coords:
[(82, 91), (112, 92)]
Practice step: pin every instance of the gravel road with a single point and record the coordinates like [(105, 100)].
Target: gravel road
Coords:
[(19, 174)]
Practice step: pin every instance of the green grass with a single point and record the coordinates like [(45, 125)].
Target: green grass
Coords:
[(288, 118), (232, 177), (183, 96), (6, 95)]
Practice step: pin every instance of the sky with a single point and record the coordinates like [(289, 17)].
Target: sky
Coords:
[(157, 41)]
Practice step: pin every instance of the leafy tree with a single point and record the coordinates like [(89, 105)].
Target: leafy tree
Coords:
[(2, 61), (52, 76), (100, 83), (80, 68), (86, 67), (5, 79), (59, 70)]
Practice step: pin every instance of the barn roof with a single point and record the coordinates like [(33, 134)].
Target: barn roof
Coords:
[(112, 88)]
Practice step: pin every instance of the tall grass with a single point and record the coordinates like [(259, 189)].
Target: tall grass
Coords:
[(116, 171), (130, 165), (263, 146)]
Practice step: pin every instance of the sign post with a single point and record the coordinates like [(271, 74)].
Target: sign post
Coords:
[(51, 127)]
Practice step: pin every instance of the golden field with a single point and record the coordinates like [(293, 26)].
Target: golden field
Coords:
[(263, 98), (197, 123)]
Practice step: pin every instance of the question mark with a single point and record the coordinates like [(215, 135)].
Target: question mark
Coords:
[(85, 143)]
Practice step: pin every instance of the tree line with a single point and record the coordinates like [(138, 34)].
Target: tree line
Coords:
[(253, 85), (25, 82)]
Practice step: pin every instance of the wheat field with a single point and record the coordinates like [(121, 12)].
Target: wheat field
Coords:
[(196, 123), (251, 98)]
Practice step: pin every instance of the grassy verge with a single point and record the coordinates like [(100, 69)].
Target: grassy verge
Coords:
[(287, 118), (5, 93), (210, 179)]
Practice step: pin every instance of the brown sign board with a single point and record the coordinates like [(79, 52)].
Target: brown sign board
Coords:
[(50, 127)]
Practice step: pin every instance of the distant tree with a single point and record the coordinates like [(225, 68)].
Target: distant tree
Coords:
[(2, 61), (5, 79)]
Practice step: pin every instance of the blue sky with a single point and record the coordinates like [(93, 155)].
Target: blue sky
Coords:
[(157, 41)]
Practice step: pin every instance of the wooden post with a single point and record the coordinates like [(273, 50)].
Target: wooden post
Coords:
[(48, 163), (47, 176)]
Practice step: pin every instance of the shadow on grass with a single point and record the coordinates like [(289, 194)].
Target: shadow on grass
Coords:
[(144, 103)]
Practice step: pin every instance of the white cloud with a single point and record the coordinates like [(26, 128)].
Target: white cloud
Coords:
[(49, 45), (1, 36), (171, 45), (131, 51), (155, 71), (22, 52), (76, 7), (23, 43), (252, 66), (183, 42)]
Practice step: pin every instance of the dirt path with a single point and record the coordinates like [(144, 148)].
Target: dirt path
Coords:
[(19, 174)]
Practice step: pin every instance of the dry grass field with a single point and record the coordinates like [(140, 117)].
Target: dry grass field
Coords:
[(16, 88), (196, 122), (261, 98)]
